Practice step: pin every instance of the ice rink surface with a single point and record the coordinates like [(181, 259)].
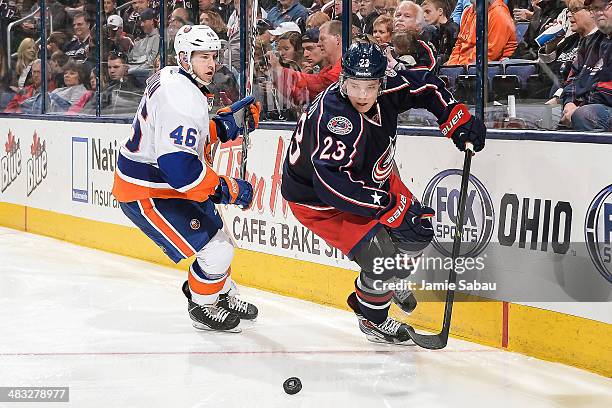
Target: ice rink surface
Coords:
[(116, 331)]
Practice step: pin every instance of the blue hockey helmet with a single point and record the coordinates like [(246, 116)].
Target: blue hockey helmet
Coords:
[(364, 60)]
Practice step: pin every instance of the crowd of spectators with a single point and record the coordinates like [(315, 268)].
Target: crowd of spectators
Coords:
[(545, 54)]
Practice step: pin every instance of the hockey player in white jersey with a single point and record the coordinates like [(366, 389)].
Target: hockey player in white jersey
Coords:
[(165, 183)]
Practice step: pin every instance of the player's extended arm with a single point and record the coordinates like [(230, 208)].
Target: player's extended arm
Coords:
[(422, 89)]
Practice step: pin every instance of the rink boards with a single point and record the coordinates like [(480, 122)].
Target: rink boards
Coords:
[(539, 213)]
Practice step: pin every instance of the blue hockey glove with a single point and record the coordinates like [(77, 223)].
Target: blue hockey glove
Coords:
[(462, 127), (230, 119), (233, 191)]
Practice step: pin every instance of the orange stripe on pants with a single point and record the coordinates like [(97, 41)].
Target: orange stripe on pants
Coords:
[(202, 288), (164, 228)]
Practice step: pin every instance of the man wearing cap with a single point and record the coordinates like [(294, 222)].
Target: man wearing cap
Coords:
[(313, 58), (119, 42), (287, 10), (302, 87), (146, 49), (587, 96)]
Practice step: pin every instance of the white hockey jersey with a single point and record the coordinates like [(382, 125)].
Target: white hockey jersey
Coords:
[(168, 153)]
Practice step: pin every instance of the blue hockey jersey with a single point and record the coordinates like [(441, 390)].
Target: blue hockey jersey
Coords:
[(340, 158)]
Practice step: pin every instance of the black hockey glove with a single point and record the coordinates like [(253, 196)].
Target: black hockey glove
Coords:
[(416, 231), (462, 127)]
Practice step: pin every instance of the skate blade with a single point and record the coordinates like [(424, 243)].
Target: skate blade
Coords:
[(378, 340), (203, 327)]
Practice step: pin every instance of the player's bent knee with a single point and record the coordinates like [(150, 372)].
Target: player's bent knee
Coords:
[(216, 256)]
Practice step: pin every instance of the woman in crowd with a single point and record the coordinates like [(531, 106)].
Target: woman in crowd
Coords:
[(214, 21), (316, 19), (26, 54), (289, 47), (62, 99), (383, 29)]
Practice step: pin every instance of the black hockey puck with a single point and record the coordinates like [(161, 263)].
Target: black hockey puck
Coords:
[(292, 385)]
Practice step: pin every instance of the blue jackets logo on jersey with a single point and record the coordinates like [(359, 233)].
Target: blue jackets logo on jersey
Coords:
[(598, 232), (340, 125), (384, 165)]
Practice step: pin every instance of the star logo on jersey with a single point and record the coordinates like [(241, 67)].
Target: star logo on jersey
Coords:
[(340, 125), (376, 198)]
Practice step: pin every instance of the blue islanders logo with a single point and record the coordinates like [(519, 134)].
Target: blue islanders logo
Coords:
[(442, 194), (598, 232)]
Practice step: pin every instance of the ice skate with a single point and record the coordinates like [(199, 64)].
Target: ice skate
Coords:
[(211, 317), (390, 331)]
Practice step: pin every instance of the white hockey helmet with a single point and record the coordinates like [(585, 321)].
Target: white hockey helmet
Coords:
[(190, 38)]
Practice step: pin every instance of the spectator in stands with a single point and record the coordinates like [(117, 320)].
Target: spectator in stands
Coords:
[(131, 18), (289, 48), (146, 49), (123, 92), (214, 21), (383, 29), (587, 97), (409, 16), (408, 51), (460, 7), (55, 69), (391, 6), (316, 19), (29, 90), (370, 10), (26, 54), (56, 42), (61, 99), (300, 87), (545, 14), (436, 14), (87, 103), (78, 48), (501, 35), (110, 8), (559, 56), (313, 57), (287, 10), (118, 41)]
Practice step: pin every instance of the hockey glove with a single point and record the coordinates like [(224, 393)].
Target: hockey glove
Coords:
[(229, 122), (400, 199), (416, 231), (233, 191), (462, 127)]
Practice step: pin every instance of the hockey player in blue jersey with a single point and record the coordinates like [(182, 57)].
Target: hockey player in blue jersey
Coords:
[(339, 180)]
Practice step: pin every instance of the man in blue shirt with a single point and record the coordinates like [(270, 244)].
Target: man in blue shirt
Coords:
[(287, 10)]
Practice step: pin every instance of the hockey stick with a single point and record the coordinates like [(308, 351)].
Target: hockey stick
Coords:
[(439, 341), (249, 84)]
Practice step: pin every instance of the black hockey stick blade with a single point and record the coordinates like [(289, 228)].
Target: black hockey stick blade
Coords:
[(439, 341)]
